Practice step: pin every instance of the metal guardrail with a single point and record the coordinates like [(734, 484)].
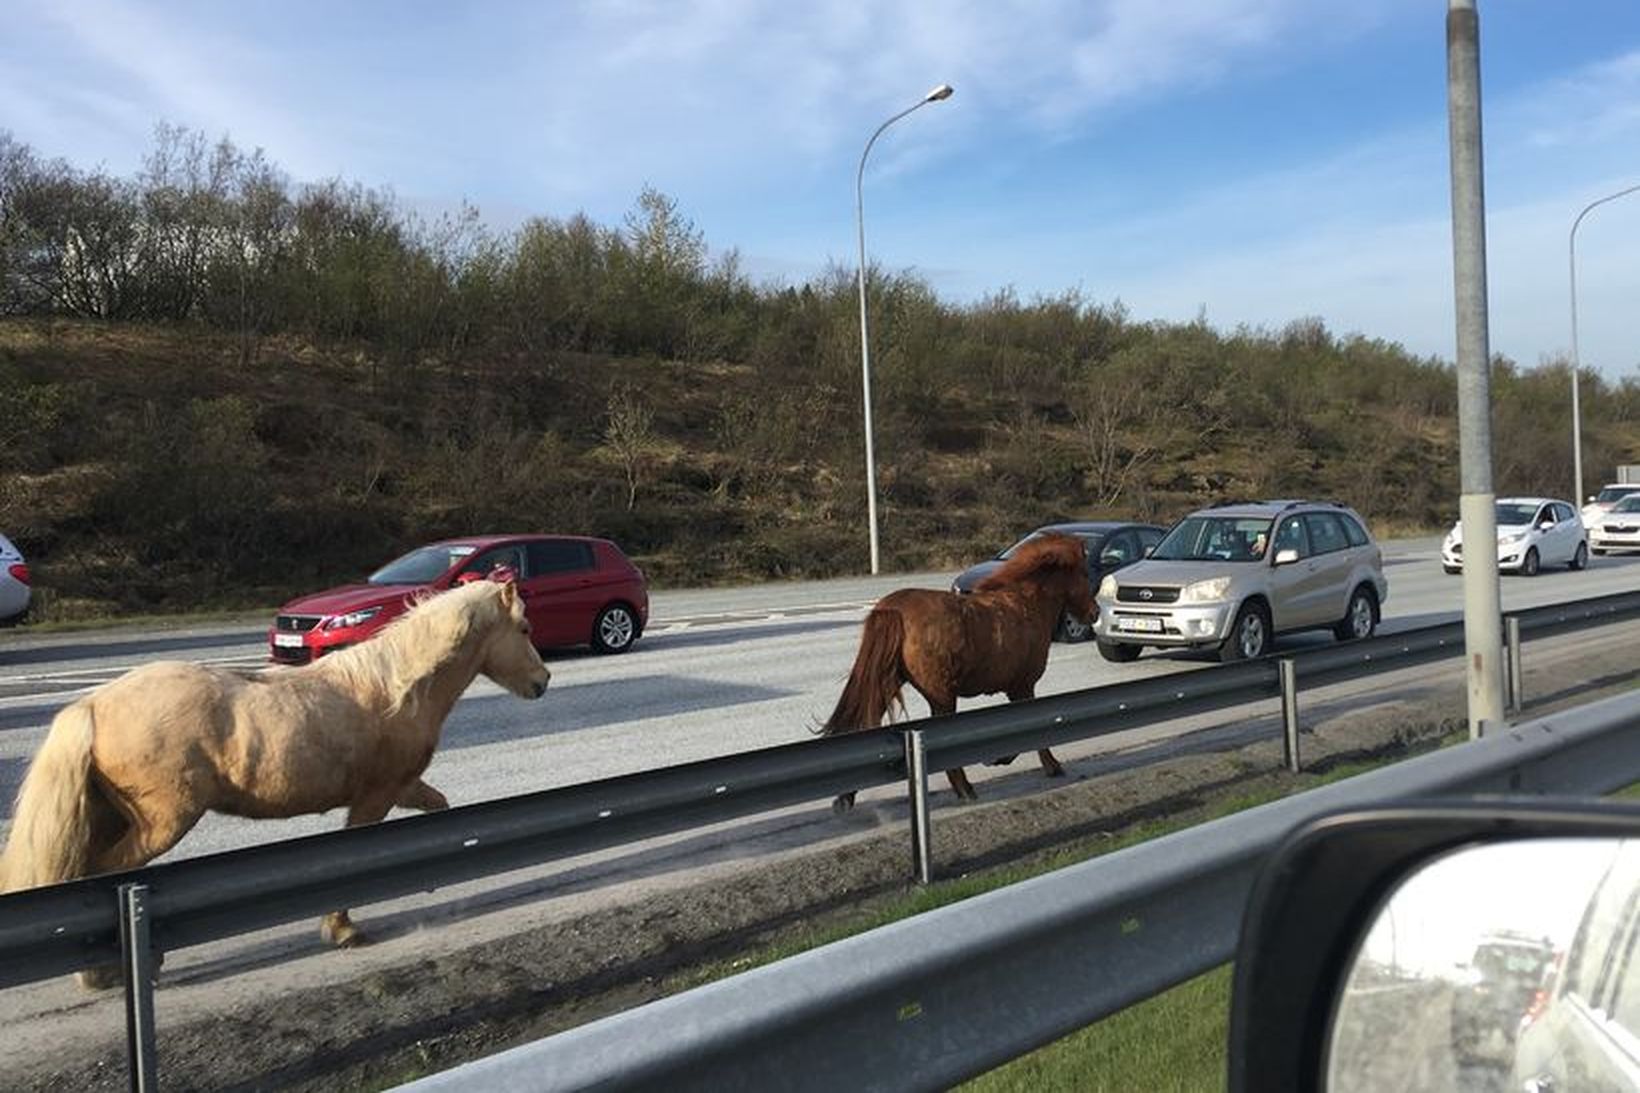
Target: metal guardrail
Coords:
[(60, 929), (930, 1001)]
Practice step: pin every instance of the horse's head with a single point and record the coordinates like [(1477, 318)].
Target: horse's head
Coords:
[(1054, 562), (510, 658), (1079, 599)]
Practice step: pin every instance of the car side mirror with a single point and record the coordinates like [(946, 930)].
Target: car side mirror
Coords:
[(1546, 525), (1149, 550), (1286, 556), (1110, 560), (1453, 930)]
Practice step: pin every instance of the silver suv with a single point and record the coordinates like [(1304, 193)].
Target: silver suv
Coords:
[(1234, 576)]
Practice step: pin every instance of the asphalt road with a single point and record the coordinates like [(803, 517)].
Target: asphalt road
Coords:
[(719, 671)]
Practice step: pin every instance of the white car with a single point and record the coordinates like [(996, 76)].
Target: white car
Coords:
[(1532, 532), (14, 587), (1601, 503), (1618, 528)]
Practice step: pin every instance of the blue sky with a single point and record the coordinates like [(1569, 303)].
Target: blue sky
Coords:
[(1250, 161)]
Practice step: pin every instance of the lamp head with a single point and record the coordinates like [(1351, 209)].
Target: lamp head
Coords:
[(943, 91)]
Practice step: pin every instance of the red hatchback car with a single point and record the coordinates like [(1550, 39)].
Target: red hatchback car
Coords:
[(577, 591)]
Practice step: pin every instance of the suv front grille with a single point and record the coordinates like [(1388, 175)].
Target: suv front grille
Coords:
[(296, 624), (1144, 593)]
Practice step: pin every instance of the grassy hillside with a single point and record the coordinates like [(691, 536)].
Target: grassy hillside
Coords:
[(160, 471)]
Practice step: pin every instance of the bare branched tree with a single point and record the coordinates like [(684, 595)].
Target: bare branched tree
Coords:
[(629, 434), (1108, 418)]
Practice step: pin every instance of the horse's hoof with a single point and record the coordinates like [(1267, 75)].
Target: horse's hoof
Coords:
[(1002, 762), (348, 937), (843, 804), (343, 935), (101, 978), (1054, 772)]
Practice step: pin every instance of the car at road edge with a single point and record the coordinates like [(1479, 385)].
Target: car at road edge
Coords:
[(15, 590)]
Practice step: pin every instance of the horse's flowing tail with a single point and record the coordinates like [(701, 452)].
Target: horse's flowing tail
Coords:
[(51, 826), (874, 683)]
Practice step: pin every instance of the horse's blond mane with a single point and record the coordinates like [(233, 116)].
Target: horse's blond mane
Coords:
[(1051, 551), (418, 643)]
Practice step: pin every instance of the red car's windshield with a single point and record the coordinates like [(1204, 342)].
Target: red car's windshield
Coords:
[(421, 565)]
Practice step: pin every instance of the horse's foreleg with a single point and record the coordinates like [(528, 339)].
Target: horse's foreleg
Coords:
[(960, 784), (336, 927), (1045, 756), (422, 796)]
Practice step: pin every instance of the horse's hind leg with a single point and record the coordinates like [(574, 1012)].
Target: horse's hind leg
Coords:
[(123, 841), (336, 927), (1050, 765), (422, 796), (960, 785)]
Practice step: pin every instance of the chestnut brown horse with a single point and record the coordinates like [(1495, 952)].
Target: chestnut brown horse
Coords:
[(950, 646), (129, 769)]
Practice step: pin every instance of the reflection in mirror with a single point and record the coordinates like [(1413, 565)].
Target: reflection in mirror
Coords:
[(1498, 967)]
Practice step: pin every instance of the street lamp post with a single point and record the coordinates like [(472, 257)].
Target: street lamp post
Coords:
[(1577, 414), (943, 91)]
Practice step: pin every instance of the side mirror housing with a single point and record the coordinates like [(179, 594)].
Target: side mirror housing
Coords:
[(1364, 924), (1286, 556)]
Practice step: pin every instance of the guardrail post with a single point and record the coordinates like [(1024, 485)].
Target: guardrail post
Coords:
[(1517, 685), (137, 964), (916, 776), (1289, 710)]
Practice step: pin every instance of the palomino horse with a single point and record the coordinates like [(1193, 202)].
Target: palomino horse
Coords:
[(949, 646), (126, 771)]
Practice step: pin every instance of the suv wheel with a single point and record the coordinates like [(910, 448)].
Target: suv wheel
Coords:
[(1249, 637), (1360, 618), (1120, 652)]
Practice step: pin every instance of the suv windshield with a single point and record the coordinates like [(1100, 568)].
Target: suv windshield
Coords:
[(1515, 514), (1613, 493), (1216, 538), (421, 565)]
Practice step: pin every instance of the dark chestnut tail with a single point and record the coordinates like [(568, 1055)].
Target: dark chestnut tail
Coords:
[(874, 683)]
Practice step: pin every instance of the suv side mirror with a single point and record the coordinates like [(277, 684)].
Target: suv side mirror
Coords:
[(1286, 556), (1110, 560), (1149, 550)]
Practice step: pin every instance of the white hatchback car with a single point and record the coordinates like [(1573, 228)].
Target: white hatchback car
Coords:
[(1618, 528), (14, 586), (1532, 532)]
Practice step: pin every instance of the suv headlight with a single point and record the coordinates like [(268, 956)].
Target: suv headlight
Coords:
[(1205, 591), (1107, 587), (352, 618)]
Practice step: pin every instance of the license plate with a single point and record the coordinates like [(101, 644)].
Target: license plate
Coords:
[(1149, 625), (288, 641)]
